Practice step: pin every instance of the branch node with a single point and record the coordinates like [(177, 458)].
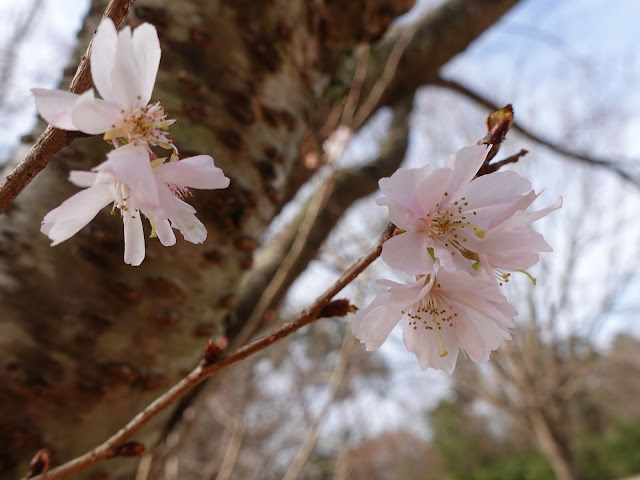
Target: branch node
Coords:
[(39, 463), (214, 348), (337, 308), (130, 449)]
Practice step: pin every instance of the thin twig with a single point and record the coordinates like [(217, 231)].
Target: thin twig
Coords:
[(236, 427), (53, 139), (494, 167), (385, 79), (317, 203), (337, 376), (107, 449), (599, 162)]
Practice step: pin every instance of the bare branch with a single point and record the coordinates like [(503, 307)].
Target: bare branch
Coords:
[(109, 448), (53, 139), (588, 159)]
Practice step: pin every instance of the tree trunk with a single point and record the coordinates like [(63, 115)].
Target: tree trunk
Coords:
[(85, 340)]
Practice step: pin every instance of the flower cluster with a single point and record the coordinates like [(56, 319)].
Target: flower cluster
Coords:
[(461, 237), (133, 178)]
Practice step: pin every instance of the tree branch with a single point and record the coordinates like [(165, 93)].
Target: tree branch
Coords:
[(434, 40), (204, 370), (485, 102), (53, 139)]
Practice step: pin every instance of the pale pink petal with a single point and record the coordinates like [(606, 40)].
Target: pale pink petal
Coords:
[(146, 52), (403, 295), (425, 345), (478, 335), (103, 58), (511, 260), (521, 204), (55, 107), (125, 81), (63, 222), (83, 179), (130, 165), (195, 172), (431, 192), (408, 252), (496, 188), (372, 325), (402, 217), (165, 233), (493, 198), (465, 164), (403, 184), (470, 287), (94, 115), (191, 228), (537, 215), (517, 239), (133, 240), (166, 207), (450, 257)]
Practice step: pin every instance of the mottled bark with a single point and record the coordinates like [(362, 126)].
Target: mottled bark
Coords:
[(86, 341)]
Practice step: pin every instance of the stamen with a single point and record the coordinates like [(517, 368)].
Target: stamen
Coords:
[(437, 329)]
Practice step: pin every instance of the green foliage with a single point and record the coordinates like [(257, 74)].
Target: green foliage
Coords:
[(471, 452), (612, 455)]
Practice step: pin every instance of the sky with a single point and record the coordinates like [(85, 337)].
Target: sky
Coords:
[(571, 69)]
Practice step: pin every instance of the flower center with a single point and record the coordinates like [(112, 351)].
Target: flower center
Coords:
[(122, 200), (143, 126), (432, 312), (451, 225)]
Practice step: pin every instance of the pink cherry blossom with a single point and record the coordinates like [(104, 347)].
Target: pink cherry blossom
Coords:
[(442, 313), (124, 66), (128, 180), (447, 214), (510, 244)]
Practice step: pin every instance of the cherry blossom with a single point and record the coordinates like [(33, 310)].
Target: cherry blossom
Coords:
[(442, 313), (448, 214), (510, 244), (128, 180), (124, 66)]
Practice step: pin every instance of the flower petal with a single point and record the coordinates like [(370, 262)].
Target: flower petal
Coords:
[(94, 115), (125, 80), (479, 335), (426, 347), (465, 164), (196, 172), (55, 107), (402, 217), (146, 52), (165, 233), (191, 228), (403, 184), (130, 165), (103, 57), (83, 179), (133, 240), (408, 252), (372, 325), (63, 222), (431, 192)]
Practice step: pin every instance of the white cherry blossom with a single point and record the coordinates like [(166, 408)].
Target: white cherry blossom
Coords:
[(124, 66), (128, 180)]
